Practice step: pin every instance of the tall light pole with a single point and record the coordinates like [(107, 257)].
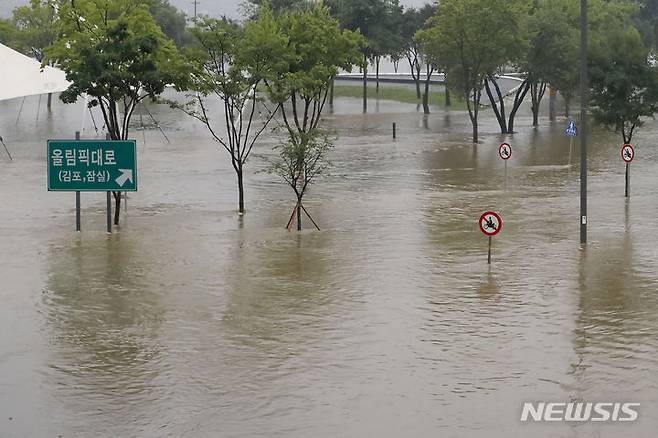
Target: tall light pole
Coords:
[(584, 103), (195, 14)]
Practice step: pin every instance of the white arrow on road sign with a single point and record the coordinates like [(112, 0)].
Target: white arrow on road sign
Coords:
[(126, 175)]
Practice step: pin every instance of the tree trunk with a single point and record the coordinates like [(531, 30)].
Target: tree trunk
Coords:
[(473, 109), (552, 103), (331, 91), (417, 79), (365, 83), (117, 207), (299, 214), (426, 95), (497, 106), (377, 60), (240, 189), (537, 90), (447, 91), (567, 110), (521, 93)]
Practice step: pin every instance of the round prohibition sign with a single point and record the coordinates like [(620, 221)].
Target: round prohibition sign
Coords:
[(505, 151), (491, 223), (627, 153)]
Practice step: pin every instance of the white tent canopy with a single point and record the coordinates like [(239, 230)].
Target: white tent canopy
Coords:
[(22, 76)]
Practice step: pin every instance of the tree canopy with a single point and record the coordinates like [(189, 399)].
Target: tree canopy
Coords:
[(465, 37), (35, 27), (624, 82)]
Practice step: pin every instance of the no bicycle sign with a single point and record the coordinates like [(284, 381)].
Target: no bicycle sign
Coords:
[(490, 224), (505, 151)]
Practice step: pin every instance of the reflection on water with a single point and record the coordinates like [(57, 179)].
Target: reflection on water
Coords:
[(193, 321)]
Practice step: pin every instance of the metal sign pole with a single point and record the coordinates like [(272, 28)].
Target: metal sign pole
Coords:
[(505, 176), (109, 212), (394, 130), (109, 201), (78, 222), (628, 180), (584, 101), (489, 256)]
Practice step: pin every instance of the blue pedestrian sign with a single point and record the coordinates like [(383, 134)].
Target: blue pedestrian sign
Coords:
[(571, 130)]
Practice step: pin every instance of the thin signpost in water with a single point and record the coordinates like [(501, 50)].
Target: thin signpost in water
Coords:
[(505, 153), (628, 155), (571, 132), (490, 224)]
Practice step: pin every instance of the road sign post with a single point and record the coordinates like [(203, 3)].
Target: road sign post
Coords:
[(628, 155), (505, 153), (92, 166), (571, 132), (490, 224), (108, 198), (109, 212), (78, 219)]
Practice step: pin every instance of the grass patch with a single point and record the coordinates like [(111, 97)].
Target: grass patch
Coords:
[(398, 94)]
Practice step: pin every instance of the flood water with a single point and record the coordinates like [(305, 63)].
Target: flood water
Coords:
[(190, 321)]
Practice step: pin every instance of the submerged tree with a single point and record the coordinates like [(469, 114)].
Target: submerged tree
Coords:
[(552, 56), (472, 39), (232, 64), (317, 48), (624, 82), (370, 18), (413, 20), (114, 52), (301, 159)]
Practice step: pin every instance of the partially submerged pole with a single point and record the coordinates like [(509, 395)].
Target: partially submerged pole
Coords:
[(489, 256), (78, 222), (584, 101), (109, 201)]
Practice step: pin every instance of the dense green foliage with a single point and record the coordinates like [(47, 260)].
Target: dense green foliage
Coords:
[(35, 27), (465, 38), (624, 82), (7, 31), (172, 22)]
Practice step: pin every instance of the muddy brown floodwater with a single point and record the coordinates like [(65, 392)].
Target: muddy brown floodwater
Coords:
[(192, 322)]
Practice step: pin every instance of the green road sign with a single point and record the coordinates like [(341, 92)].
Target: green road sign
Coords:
[(92, 166)]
